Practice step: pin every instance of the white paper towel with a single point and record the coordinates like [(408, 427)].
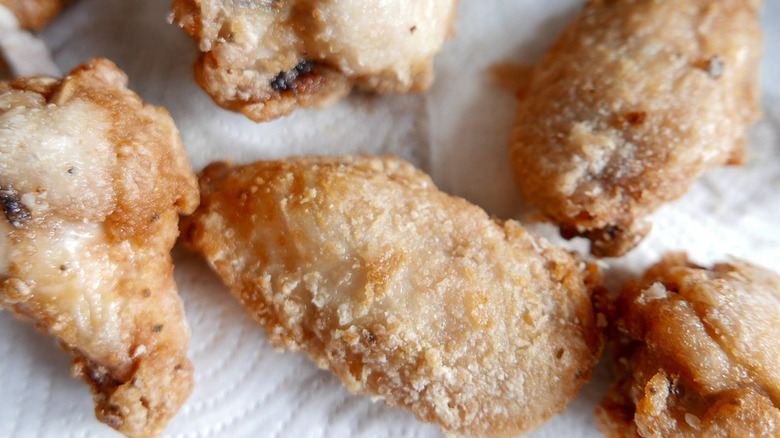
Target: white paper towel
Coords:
[(458, 133)]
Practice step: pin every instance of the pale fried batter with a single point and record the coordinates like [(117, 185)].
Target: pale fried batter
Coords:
[(634, 101), (265, 58), (698, 353), (91, 183), (34, 14), (404, 292)]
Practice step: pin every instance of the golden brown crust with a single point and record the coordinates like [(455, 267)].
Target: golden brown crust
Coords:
[(91, 189), (266, 58), (404, 292), (696, 353), (633, 102), (34, 14)]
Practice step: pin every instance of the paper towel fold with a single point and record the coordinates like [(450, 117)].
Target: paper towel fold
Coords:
[(458, 133)]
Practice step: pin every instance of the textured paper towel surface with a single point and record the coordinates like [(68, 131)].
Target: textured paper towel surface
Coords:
[(458, 133)]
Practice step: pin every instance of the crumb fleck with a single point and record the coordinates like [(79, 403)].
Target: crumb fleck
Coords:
[(715, 67), (601, 320), (693, 421), (139, 350)]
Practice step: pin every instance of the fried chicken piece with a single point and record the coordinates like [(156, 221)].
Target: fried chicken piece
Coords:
[(697, 353), (634, 101), (405, 293), (265, 58), (34, 14), (91, 183)]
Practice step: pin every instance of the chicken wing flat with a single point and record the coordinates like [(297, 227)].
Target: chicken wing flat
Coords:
[(265, 58), (698, 353), (634, 101), (34, 14), (91, 183), (405, 293)]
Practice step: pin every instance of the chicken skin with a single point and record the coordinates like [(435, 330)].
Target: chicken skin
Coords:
[(404, 292), (635, 101), (265, 58), (92, 181)]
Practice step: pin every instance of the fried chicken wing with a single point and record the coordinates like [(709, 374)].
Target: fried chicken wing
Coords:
[(405, 293), (91, 183), (265, 58), (34, 14), (634, 101), (697, 353)]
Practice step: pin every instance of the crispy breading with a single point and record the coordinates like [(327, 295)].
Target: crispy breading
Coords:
[(91, 182), (697, 353), (265, 58), (633, 102), (405, 293), (34, 14)]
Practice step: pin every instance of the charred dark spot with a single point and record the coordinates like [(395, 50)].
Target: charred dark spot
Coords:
[(154, 217), (636, 117), (715, 67), (147, 293), (370, 338), (569, 232), (16, 213), (63, 268), (286, 80), (559, 353), (178, 367), (157, 328), (584, 216), (611, 231), (412, 29), (188, 232), (72, 170), (112, 416), (633, 118), (672, 287), (101, 379), (578, 375)]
